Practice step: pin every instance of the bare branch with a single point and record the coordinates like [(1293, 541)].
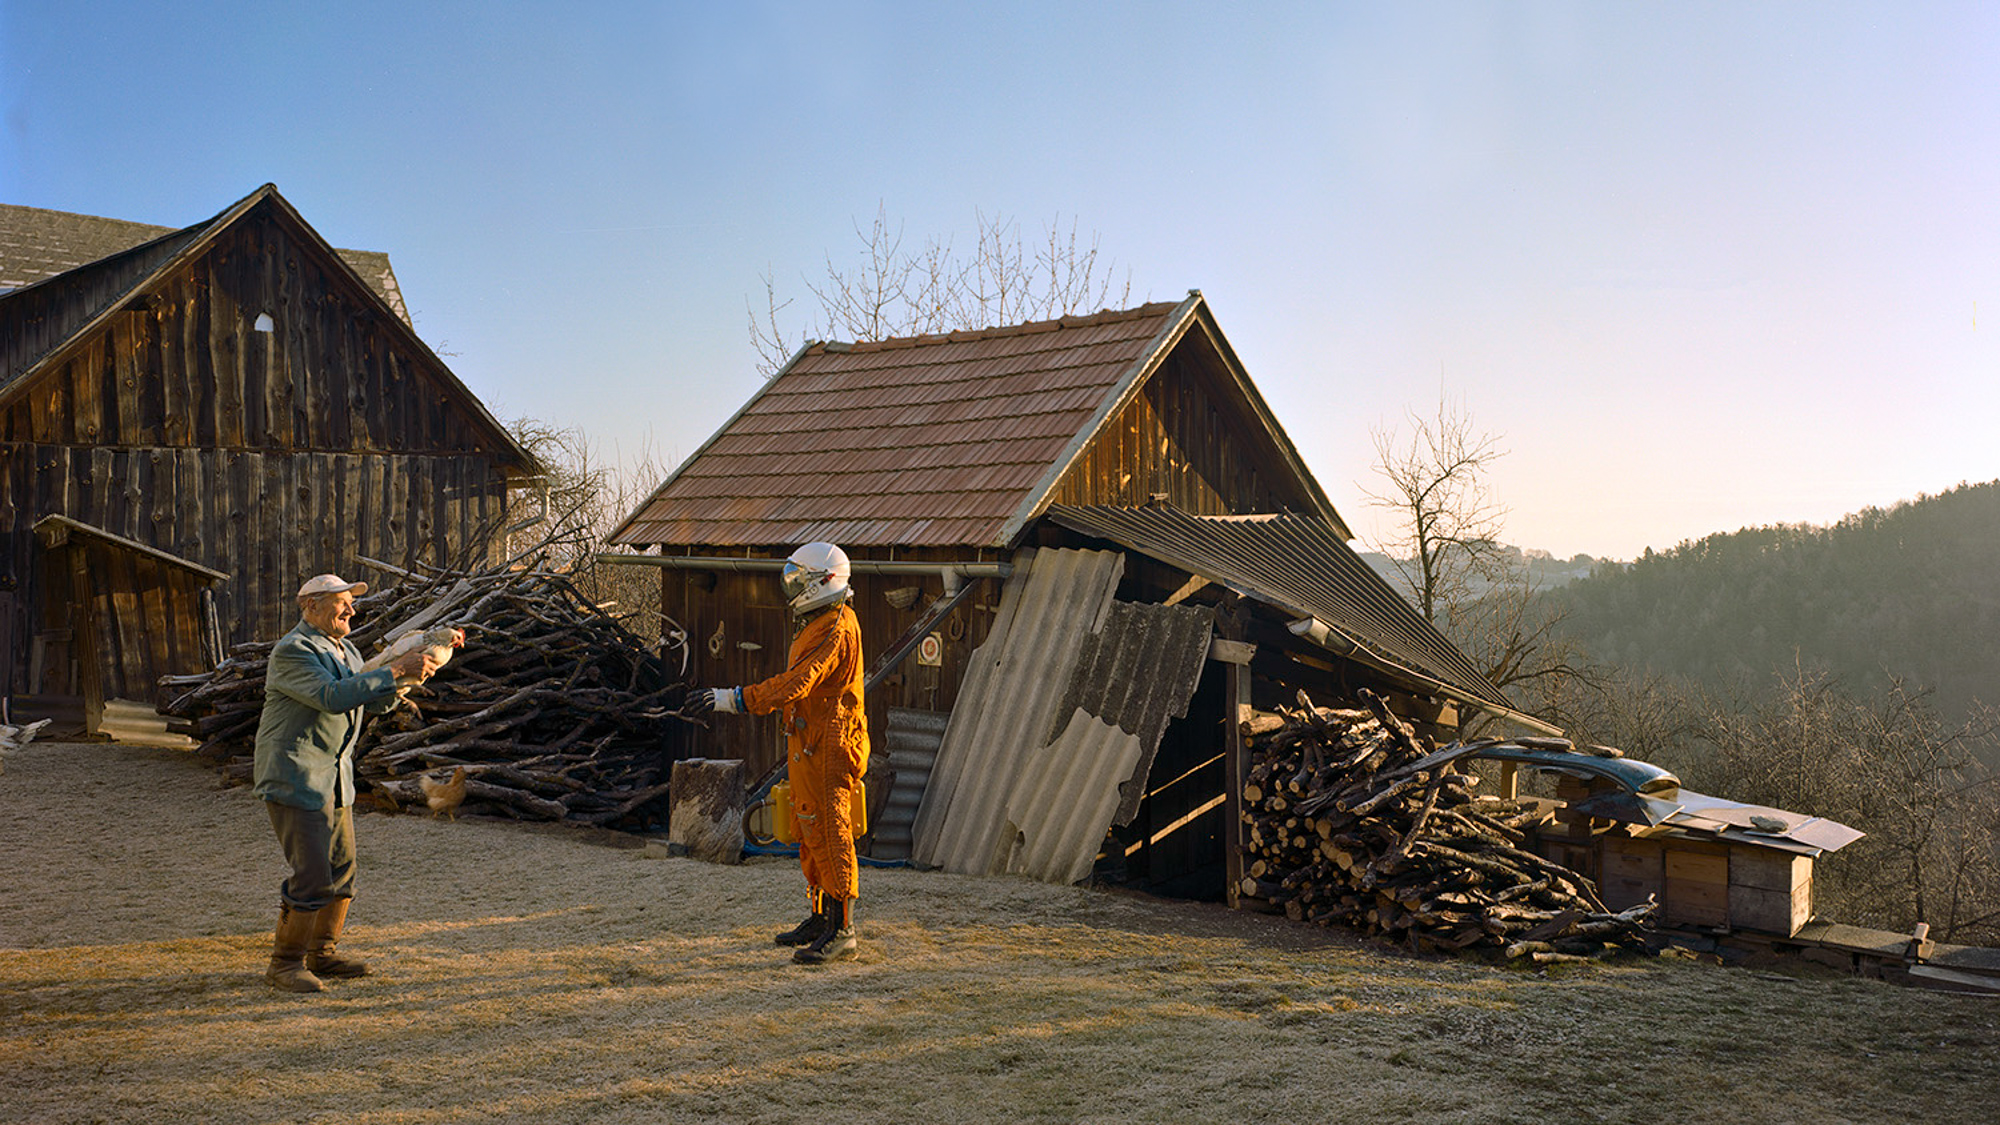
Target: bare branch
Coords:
[(893, 291)]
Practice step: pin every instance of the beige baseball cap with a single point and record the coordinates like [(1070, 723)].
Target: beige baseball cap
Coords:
[(330, 584)]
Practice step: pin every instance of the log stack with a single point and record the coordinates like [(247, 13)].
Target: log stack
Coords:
[(1354, 820), (553, 708)]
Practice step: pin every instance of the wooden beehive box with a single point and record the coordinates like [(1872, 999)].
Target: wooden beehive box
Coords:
[(1769, 890), (1707, 884), (1696, 881), (1631, 869)]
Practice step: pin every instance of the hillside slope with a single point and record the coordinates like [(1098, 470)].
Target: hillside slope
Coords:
[(1912, 591)]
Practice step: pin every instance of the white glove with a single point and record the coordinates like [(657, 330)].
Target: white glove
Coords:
[(728, 700)]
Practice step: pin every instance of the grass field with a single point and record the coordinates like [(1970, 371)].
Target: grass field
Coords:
[(524, 975)]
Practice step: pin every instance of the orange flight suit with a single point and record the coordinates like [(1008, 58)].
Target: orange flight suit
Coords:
[(827, 743)]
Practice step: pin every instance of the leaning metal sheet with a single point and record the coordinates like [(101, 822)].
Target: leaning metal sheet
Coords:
[(1051, 605)]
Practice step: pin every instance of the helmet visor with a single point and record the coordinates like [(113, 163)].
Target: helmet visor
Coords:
[(797, 578)]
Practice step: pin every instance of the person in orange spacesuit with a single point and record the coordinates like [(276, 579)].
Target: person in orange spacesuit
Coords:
[(820, 694)]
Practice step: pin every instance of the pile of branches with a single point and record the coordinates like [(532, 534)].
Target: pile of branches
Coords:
[(553, 708), (1354, 820)]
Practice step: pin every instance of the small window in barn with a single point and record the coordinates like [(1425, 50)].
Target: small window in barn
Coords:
[(265, 323)]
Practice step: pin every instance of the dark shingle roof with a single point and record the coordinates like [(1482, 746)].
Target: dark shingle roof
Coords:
[(37, 244)]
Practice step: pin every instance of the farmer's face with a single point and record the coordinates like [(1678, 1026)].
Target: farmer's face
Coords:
[(332, 614)]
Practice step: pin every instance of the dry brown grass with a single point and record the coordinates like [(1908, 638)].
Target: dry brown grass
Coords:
[(525, 976)]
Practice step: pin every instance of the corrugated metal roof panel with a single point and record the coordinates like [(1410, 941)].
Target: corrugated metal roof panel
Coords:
[(1058, 816), (1298, 564), (1138, 673)]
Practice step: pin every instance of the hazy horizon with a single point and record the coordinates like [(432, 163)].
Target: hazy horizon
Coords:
[(1699, 267)]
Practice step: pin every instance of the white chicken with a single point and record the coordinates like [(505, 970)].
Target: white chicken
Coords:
[(12, 738), (438, 641)]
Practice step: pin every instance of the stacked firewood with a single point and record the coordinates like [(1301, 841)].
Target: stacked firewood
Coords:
[(553, 708), (1354, 820)]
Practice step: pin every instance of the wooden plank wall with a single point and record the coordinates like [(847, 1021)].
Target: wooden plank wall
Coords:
[(39, 318), (271, 456), (146, 614), (748, 608), (1179, 437), (188, 368), (268, 520)]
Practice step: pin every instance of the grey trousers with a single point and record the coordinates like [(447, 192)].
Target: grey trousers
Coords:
[(319, 846)]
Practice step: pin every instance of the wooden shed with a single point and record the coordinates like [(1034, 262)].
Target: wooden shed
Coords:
[(977, 480), (214, 413)]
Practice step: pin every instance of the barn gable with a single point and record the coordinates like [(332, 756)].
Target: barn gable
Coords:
[(236, 394), (168, 292), (962, 440)]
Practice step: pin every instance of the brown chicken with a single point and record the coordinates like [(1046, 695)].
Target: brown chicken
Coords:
[(443, 796)]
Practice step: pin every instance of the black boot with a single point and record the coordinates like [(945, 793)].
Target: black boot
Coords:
[(805, 932), (839, 941)]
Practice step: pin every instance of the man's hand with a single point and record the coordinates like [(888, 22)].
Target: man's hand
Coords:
[(413, 665)]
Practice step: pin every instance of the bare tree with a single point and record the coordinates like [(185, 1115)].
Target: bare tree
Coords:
[(1447, 543), (894, 291), (1889, 767), (1447, 548), (586, 498)]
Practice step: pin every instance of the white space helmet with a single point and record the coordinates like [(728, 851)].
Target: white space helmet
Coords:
[(815, 576)]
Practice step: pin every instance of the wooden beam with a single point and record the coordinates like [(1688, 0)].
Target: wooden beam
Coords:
[(89, 670), (1235, 751)]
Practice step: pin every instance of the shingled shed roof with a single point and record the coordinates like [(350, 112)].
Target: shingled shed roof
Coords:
[(37, 244), (950, 440)]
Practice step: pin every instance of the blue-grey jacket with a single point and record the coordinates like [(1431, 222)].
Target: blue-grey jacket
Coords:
[(313, 697)]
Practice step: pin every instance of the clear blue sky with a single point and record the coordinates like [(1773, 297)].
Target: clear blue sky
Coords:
[(1700, 266)]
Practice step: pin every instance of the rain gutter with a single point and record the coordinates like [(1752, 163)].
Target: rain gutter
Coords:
[(952, 572)]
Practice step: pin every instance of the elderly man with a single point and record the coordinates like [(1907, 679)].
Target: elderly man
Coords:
[(314, 693)]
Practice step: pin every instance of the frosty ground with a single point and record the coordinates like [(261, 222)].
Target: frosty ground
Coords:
[(535, 975)]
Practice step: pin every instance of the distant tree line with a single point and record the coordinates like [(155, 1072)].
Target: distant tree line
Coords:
[(1909, 593), (1831, 671)]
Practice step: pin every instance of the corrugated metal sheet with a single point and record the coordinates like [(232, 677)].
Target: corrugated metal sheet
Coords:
[(1006, 705), (1297, 564), (1057, 817), (930, 441), (911, 739), (1138, 673), (1056, 729)]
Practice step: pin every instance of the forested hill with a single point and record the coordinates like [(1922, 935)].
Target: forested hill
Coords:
[(1913, 590)]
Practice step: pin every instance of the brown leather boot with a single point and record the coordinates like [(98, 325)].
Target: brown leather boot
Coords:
[(320, 957), (288, 952)]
